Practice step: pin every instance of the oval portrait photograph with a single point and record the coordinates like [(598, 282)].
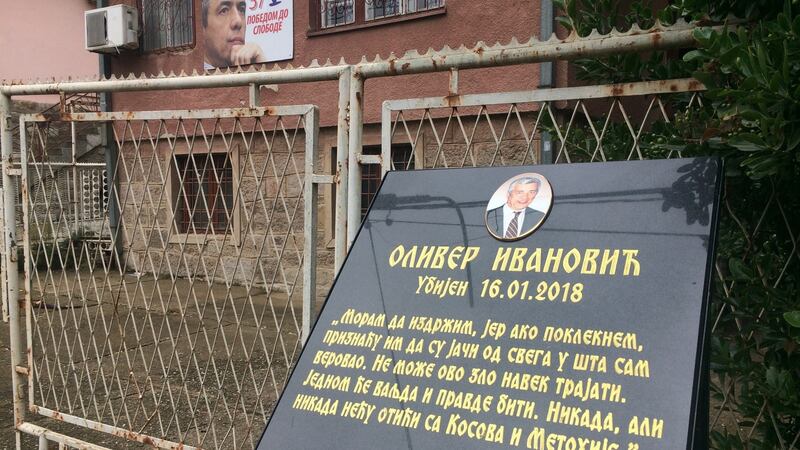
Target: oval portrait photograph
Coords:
[(519, 206)]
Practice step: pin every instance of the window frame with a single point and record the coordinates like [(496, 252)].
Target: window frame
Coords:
[(371, 173), (360, 20), (191, 26), (233, 230)]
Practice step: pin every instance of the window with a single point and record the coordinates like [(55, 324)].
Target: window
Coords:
[(402, 159), (204, 200), (167, 24), (382, 8), (337, 13), (377, 9)]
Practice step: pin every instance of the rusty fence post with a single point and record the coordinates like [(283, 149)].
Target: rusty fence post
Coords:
[(12, 270)]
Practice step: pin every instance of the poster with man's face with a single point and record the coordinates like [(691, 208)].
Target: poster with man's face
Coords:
[(242, 32)]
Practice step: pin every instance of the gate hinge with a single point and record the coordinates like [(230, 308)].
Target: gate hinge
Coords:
[(22, 370)]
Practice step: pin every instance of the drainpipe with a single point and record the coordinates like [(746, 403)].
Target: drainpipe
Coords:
[(111, 152), (546, 71)]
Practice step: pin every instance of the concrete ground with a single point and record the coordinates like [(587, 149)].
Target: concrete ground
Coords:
[(6, 404), (66, 308)]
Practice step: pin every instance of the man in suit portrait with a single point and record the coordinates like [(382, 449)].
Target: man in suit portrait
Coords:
[(514, 219)]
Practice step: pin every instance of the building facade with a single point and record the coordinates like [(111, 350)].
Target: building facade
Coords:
[(206, 197)]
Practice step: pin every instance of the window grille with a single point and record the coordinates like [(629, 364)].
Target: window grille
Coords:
[(167, 24), (402, 159), (94, 194), (203, 193), (377, 9), (335, 13), (382, 8), (422, 5)]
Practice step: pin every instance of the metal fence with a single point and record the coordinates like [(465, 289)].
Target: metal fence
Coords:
[(175, 322), (625, 122), (166, 283), (184, 316)]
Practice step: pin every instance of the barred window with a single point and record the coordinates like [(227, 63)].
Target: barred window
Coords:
[(376, 9), (382, 8), (337, 13), (203, 192), (167, 24), (402, 159)]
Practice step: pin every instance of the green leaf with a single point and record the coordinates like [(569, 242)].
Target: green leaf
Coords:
[(695, 54), (793, 318), (785, 24), (707, 79), (739, 270), (762, 165), (747, 143), (752, 114), (786, 59), (571, 7), (703, 35), (794, 138), (565, 22)]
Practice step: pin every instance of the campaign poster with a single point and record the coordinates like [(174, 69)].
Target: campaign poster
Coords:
[(243, 32)]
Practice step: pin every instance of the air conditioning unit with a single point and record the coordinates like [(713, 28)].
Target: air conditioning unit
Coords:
[(111, 29)]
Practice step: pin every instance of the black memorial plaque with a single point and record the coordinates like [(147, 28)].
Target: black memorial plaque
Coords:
[(584, 330)]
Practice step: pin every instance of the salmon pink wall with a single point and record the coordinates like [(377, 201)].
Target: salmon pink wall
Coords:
[(44, 39)]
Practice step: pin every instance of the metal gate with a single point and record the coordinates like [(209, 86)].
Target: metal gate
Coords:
[(173, 317), (180, 309), (608, 123), (559, 125)]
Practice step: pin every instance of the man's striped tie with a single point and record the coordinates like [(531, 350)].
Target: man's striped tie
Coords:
[(511, 231)]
